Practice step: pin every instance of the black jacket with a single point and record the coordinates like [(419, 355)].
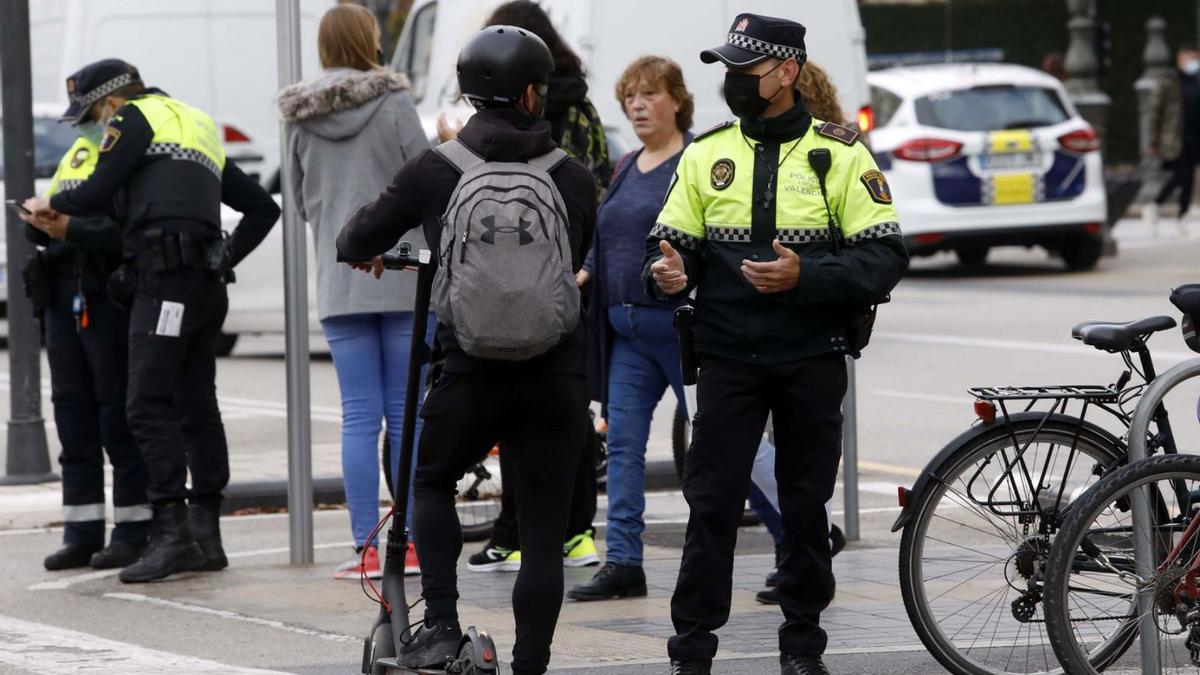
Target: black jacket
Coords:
[(158, 197), (420, 192)]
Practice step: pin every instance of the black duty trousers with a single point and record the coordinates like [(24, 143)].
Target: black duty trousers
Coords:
[(88, 371), (172, 405), (540, 420), (733, 400), (506, 534)]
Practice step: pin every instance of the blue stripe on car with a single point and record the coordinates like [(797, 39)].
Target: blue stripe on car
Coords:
[(1066, 178), (955, 185)]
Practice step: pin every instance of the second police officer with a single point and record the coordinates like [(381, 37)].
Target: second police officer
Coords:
[(784, 227), (87, 347), (163, 174)]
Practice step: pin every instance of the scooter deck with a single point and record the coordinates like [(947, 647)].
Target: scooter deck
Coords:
[(392, 666)]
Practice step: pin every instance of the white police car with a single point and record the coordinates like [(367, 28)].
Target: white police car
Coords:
[(983, 155)]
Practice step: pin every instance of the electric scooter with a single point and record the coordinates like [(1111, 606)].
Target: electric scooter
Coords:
[(476, 651)]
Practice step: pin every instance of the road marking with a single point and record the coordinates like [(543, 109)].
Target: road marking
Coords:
[(895, 469), (235, 616), (1077, 349), (67, 582), (936, 398), (42, 648)]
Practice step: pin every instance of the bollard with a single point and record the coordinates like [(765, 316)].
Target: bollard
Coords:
[(28, 459), (850, 453)]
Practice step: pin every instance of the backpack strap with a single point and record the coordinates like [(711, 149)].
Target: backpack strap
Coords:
[(549, 161), (458, 155)]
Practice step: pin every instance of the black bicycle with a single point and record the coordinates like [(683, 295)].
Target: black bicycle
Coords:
[(979, 521)]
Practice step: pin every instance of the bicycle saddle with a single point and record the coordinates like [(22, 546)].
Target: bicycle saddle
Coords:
[(1117, 337)]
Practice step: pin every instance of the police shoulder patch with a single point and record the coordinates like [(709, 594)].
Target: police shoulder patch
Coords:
[(709, 132), (111, 136), (838, 133), (722, 173), (877, 186)]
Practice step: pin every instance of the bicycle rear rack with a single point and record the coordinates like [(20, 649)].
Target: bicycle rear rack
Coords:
[(1092, 392)]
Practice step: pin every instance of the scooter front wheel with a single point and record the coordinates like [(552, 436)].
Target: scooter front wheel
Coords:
[(381, 648), (476, 654)]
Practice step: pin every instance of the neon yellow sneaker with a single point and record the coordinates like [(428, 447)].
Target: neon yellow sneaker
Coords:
[(495, 559), (580, 551)]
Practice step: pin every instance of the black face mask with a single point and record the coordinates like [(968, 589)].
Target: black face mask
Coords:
[(741, 93)]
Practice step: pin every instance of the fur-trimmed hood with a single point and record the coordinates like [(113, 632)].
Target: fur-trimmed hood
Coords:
[(339, 102)]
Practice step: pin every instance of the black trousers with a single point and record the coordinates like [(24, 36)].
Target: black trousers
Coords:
[(506, 534), (1183, 175), (733, 400), (172, 404), (88, 371), (540, 420)]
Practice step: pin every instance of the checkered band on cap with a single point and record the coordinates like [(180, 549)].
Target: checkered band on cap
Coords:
[(176, 151), (103, 90), (762, 47)]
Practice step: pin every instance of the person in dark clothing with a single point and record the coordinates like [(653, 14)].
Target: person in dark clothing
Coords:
[(537, 408), (575, 127), (163, 174), (1174, 114), (87, 347)]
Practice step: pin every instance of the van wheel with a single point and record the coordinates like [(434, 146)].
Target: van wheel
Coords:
[(1082, 254), (971, 257), (225, 343)]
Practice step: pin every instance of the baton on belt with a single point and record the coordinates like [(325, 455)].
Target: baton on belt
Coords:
[(685, 316)]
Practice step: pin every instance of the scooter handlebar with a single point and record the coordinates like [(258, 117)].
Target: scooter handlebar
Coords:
[(398, 259)]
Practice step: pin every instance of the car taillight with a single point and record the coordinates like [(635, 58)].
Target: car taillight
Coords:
[(928, 150), (1081, 140), (235, 135), (866, 119)]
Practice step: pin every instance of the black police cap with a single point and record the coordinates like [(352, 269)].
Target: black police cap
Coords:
[(754, 37), (499, 62), (95, 81)]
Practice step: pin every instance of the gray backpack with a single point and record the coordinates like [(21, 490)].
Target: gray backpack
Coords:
[(504, 281)]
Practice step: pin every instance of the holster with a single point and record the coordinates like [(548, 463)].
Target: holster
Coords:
[(122, 285), (167, 251), (36, 276), (684, 319)]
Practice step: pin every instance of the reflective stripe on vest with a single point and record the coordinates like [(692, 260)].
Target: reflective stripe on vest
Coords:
[(181, 132), (75, 166)]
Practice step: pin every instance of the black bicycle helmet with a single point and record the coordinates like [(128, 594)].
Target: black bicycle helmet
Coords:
[(499, 62)]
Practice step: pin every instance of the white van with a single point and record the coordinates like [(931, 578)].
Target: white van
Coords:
[(609, 34), (217, 55)]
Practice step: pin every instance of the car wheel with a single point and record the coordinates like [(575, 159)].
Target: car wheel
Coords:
[(971, 257), (225, 344), (1083, 254)]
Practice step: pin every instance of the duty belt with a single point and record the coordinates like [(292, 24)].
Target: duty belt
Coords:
[(168, 250)]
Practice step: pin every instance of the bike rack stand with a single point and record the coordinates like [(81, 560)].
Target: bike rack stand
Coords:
[(1142, 552)]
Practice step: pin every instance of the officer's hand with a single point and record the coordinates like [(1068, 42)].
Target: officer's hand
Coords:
[(668, 271), (55, 227), (777, 276), (39, 206)]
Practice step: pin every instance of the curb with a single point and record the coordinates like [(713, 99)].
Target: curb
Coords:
[(272, 494)]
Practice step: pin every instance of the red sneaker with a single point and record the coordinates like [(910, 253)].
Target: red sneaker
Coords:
[(366, 561), (412, 566)]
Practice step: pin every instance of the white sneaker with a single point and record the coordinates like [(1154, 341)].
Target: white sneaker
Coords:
[(1150, 218)]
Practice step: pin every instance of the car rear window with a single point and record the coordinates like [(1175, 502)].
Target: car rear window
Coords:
[(884, 103), (991, 108)]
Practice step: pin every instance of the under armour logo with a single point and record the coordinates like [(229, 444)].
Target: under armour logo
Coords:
[(522, 230)]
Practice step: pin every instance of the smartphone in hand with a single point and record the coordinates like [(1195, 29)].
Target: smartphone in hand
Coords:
[(18, 207)]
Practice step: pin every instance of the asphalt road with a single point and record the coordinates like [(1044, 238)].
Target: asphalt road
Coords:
[(946, 330)]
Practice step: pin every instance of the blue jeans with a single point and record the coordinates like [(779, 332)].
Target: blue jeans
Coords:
[(643, 363), (370, 356)]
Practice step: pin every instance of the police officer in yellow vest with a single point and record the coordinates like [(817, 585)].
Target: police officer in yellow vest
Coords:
[(162, 173), (87, 346), (782, 284)]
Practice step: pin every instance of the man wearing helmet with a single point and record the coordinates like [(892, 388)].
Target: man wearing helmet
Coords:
[(537, 408)]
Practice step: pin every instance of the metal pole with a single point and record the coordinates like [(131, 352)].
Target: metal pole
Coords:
[(850, 452), (28, 459), (295, 279)]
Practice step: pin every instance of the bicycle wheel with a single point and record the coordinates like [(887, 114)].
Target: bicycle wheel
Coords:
[(1091, 581), (478, 498), (971, 556)]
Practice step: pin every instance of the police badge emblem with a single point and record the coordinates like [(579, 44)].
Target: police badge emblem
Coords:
[(722, 174), (877, 186), (79, 158)]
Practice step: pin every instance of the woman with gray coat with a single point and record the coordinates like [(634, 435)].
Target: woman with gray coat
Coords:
[(348, 132)]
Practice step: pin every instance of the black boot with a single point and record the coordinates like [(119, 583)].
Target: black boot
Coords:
[(433, 645), (773, 577), (699, 667), (837, 540), (70, 556), (612, 581), (790, 664), (117, 554), (172, 546), (768, 596), (205, 517)]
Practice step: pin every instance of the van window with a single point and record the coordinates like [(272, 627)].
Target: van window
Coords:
[(413, 53), (991, 108), (884, 103)]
